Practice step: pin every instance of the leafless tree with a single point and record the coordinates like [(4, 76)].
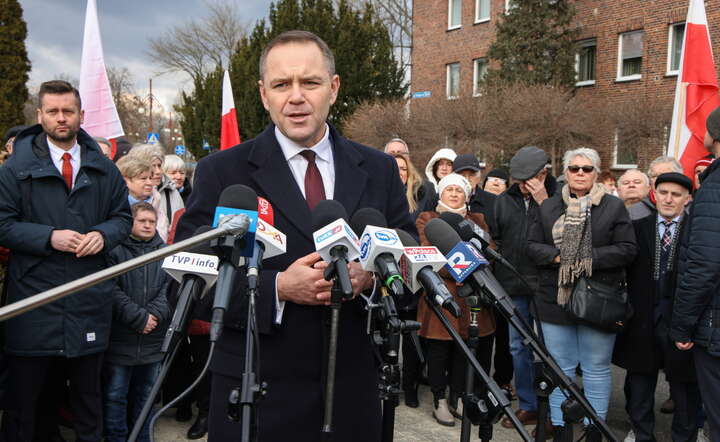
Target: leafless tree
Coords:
[(199, 45)]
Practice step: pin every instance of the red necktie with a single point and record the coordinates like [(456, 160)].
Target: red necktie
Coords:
[(314, 188), (67, 171)]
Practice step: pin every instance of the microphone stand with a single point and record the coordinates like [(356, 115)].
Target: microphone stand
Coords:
[(337, 270), (250, 390), (387, 338), (479, 410)]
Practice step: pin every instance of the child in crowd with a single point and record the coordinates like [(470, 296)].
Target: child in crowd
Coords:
[(140, 319)]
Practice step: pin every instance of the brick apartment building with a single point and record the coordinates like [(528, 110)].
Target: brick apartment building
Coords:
[(627, 48)]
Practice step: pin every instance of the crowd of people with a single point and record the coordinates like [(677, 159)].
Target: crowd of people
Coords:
[(643, 242)]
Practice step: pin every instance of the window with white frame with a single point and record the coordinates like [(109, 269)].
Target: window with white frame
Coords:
[(625, 151), (454, 14), (585, 62), (630, 53), (482, 10), (676, 35), (480, 67), (453, 80)]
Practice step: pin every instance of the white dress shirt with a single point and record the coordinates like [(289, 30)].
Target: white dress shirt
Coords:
[(298, 166), (56, 154), (673, 227)]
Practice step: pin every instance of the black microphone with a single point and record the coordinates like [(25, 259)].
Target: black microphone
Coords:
[(467, 264), (335, 242), (230, 250), (193, 286), (380, 248), (471, 232), (424, 274)]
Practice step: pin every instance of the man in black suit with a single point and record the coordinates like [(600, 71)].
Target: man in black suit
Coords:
[(644, 347), (297, 161)]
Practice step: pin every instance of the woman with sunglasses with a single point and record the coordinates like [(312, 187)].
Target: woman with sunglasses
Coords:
[(581, 231)]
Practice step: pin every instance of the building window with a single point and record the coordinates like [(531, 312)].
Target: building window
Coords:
[(625, 151), (676, 35), (630, 50), (453, 80), (585, 62), (482, 11), (480, 67), (454, 14)]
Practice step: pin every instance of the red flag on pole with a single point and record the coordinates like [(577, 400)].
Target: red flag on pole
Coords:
[(696, 94), (229, 132)]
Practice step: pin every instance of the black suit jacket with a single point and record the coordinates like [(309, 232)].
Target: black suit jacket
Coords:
[(293, 352)]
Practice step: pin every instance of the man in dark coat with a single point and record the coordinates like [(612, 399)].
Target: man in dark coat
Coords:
[(644, 346), (298, 85), (63, 206), (695, 323), (512, 211)]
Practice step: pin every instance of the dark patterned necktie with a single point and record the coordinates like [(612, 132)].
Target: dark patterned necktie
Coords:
[(314, 188), (667, 237)]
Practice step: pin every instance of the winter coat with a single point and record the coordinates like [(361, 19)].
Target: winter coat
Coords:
[(483, 202), (137, 294), (613, 248), (426, 198), (431, 327), (185, 191), (696, 310), (34, 201), (644, 346), (442, 154), (509, 230), (166, 200)]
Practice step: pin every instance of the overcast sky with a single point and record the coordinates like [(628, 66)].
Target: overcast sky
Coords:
[(55, 34)]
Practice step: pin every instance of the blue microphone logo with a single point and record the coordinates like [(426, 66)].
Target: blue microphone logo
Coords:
[(463, 260)]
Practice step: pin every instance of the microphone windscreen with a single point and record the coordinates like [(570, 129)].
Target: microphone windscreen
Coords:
[(406, 239), (239, 196), (202, 248), (441, 235), (456, 222), (451, 218), (326, 212), (367, 216)]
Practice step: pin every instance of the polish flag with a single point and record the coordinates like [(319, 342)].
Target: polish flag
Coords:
[(101, 117), (696, 94), (229, 132)]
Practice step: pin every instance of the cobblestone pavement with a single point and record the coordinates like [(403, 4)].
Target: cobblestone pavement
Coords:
[(418, 425)]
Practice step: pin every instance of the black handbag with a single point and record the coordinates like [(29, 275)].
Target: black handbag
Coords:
[(599, 305)]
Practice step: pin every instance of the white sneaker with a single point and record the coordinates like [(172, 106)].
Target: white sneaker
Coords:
[(702, 437), (631, 436), (442, 415)]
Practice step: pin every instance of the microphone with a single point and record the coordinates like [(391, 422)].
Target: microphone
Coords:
[(418, 266), (269, 242), (235, 199), (335, 242), (471, 232), (380, 247), (196, 271), (265, 211), (466, 264)]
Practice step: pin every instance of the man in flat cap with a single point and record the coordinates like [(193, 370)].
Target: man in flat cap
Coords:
[(645, 347), (531, 186), (695, 322)]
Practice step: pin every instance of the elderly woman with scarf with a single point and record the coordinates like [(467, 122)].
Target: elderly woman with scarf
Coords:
[(581, 231), (443, 360)]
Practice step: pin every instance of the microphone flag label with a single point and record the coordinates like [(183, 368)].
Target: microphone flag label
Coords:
[(463, 260), (249, 237)]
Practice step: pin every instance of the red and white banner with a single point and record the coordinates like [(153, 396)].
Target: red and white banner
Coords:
[(229, 132), (101, 117), (696, 94)]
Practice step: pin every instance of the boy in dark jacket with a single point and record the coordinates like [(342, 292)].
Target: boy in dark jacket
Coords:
[(140, 317)]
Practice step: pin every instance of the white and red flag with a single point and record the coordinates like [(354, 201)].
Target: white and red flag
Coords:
[(229, 132), (101, 117), (696, 94)]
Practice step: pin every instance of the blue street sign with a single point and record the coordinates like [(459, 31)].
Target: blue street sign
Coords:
[(206, 145), (179, 150), (153, 138), (423, 94)]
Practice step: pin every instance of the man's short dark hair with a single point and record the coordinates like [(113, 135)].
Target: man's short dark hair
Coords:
[(299, 37), (58, 87), (142, 206)]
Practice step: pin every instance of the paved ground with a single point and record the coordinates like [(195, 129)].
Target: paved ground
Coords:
[(418, 425)]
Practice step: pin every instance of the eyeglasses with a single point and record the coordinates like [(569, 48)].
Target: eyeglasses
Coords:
[(586, 169)]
